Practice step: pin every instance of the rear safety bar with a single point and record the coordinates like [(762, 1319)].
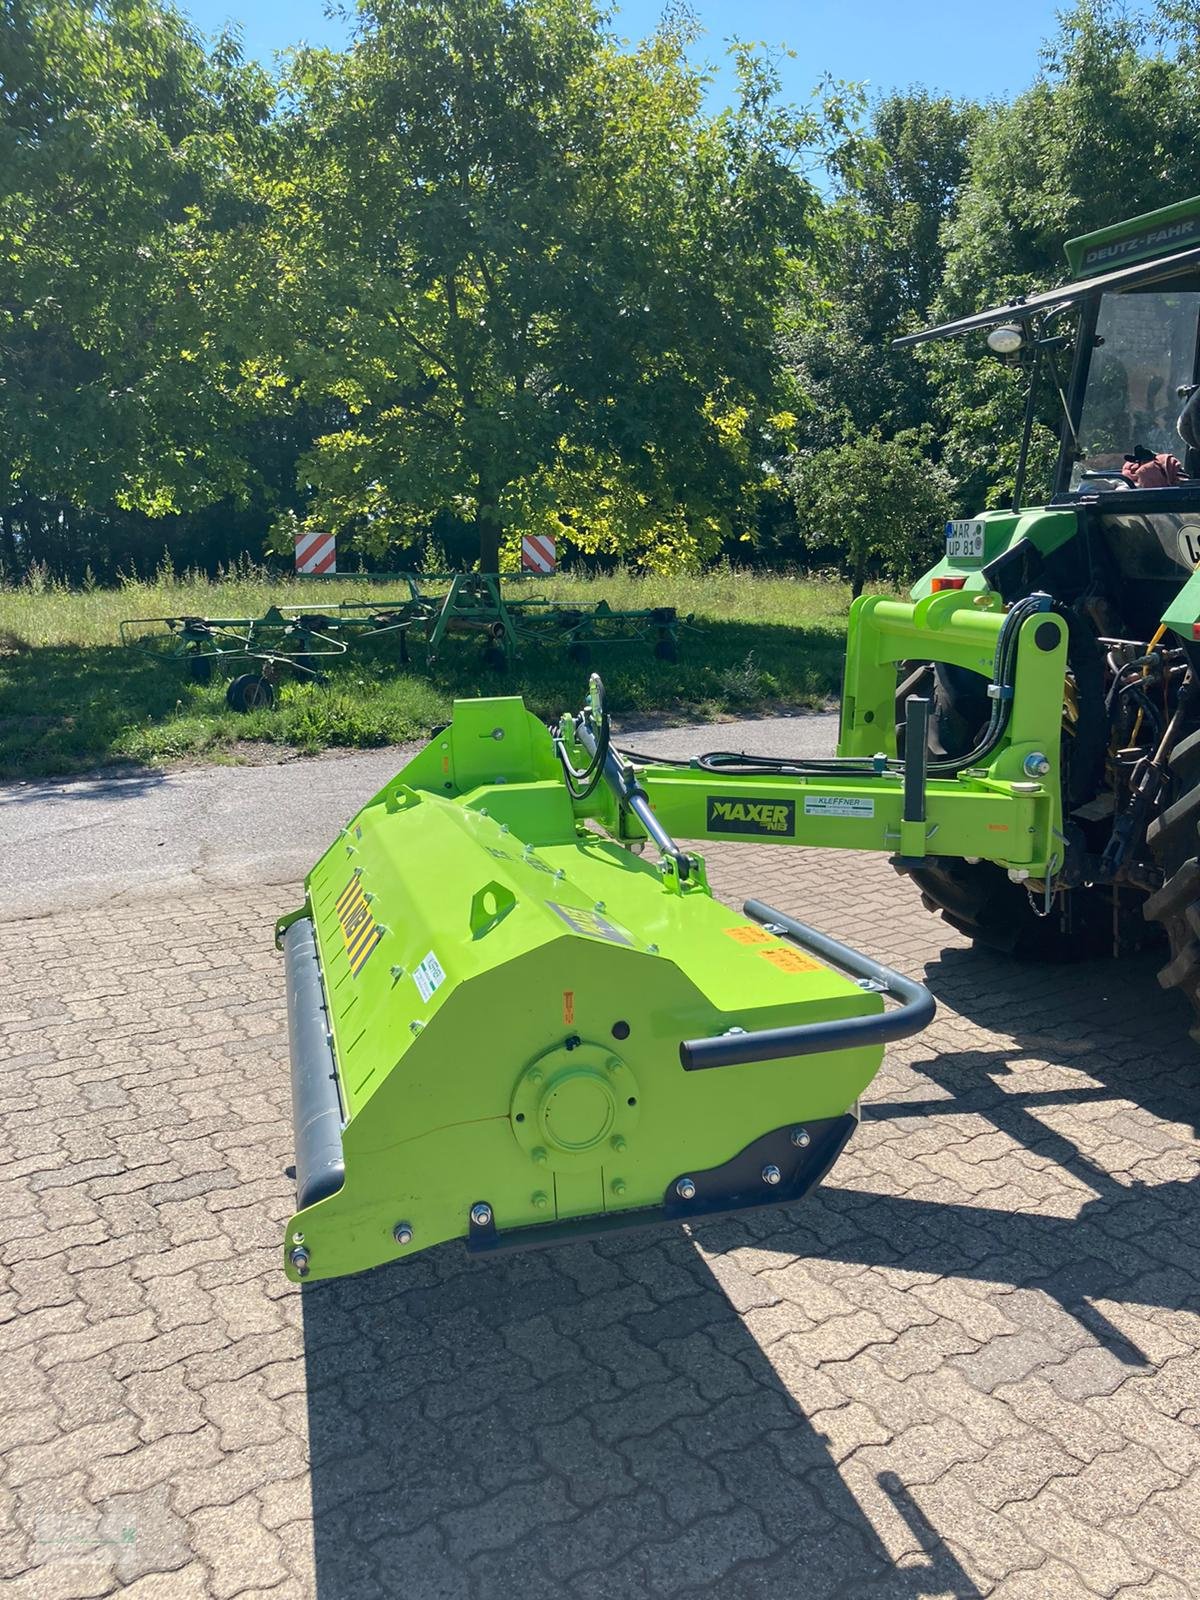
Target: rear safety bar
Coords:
[(915, 1011)]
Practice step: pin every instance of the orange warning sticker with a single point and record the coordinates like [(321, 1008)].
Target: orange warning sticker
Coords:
[(568, 1007), (749, 935), (790, 960)]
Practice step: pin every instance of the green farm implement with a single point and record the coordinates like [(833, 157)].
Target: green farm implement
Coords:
[(501, 612), (509, 1027)]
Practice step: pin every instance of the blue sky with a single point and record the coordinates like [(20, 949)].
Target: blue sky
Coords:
[(975, 50)]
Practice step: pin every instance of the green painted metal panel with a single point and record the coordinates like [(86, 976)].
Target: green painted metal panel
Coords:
[(1154, 233), (1046, 528)]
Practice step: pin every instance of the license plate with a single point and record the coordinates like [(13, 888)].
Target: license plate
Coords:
[(964, 540)]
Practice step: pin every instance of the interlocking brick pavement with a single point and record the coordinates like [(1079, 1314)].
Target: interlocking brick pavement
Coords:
[(966, 1367)]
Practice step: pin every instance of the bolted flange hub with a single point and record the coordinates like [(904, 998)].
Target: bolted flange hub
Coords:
[(571, 1103)]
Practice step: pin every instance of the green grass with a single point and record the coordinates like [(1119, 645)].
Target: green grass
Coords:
[(72, 697)]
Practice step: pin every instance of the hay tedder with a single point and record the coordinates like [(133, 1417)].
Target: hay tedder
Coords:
[(502, 613), (509, 1027)]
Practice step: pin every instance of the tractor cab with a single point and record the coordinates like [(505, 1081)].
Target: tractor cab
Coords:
[(1127, 325)]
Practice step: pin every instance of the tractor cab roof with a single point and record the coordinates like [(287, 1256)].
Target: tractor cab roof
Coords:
[(1026, 306)]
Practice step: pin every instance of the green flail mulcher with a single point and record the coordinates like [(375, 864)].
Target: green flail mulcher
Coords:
[(509, 1026)]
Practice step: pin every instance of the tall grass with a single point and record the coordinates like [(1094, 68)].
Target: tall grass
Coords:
[(71, 696)]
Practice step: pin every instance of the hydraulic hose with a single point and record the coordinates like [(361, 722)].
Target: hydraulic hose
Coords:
[(1000, 691)]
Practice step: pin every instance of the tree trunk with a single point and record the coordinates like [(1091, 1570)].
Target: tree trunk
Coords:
[(487, 525), (490, 531)]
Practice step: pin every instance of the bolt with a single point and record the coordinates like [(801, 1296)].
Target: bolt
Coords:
[(397, 972), (651, 949), (540, 1199), (416, 1025), (1036, 765), (299, 1260), (539, 1156), (483, 811), (618, 1143), (599, 906), (504, 828), (402, 1233), (800, 1138), (536, 1075), (685, 1189), (481, 1214), (771, 1175), (618, 1186)]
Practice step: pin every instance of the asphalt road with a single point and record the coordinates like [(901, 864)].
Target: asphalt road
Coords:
[(83, 843)]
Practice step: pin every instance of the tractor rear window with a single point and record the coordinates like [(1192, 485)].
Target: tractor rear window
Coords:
[(1148, 351)]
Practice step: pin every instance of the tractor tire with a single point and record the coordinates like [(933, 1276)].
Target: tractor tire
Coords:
[(1174, 839), (248, 693), (979, 899)]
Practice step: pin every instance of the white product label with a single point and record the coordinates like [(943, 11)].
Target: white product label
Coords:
[(831, 805), (429, 976), (964, 541)]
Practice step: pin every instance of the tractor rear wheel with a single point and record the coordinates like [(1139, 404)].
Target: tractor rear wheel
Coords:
[(979, 900), (1174, 837)]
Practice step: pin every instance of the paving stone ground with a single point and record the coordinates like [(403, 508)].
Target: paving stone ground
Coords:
[(967, 1366)]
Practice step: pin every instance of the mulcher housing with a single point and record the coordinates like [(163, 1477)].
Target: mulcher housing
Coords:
[(491, 1007)]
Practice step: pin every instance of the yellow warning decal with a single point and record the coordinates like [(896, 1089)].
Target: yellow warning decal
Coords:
[(749, 935), (360, 932), (790, 960)]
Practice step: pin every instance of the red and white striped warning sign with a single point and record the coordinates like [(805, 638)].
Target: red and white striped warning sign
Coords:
[(538, 552), (316, 552)]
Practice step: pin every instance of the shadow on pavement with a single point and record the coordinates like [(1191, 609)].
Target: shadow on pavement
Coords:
[(1108, 1020), (599, 1421), (544, 1425)]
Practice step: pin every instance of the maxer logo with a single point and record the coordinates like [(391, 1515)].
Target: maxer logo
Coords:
[(769, 818)]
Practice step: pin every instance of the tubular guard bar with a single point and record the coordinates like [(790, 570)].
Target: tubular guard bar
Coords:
[(916, 1009), (316, 1106)]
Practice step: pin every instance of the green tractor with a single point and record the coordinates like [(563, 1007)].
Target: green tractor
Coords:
[(510, 1026), (1116, 548)]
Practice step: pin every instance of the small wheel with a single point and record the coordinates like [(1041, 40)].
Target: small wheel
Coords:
[(666, 650), (495, 658), (199, 667), (249, 693), (579, 652)]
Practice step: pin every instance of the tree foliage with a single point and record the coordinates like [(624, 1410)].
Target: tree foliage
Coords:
[(873, 507), (537, 277), (489, 269), (129, 240)]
